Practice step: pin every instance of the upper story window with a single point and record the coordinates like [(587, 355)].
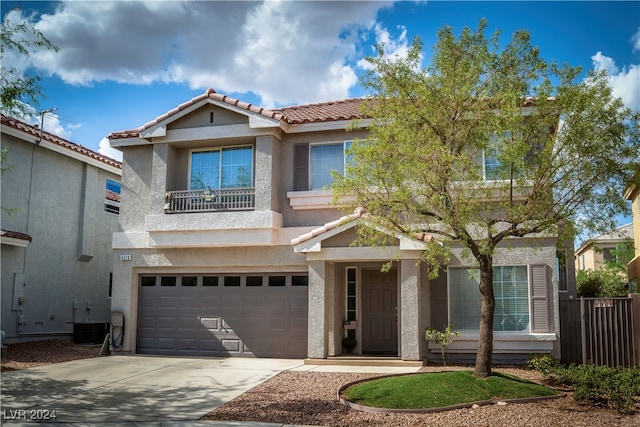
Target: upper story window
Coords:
[(112, 196), (314, 164), (229, 167), (493, 168)]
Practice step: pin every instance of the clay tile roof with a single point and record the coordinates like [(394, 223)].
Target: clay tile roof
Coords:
[(15, 235), (358, 213), (211, 94), (347, 109), (111, 195), (46, 136)]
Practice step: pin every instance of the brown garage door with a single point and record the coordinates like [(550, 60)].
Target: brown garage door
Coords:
[(232, 315)]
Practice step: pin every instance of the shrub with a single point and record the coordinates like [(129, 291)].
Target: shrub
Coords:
[(542, 362), (600, 283), (600, 385)]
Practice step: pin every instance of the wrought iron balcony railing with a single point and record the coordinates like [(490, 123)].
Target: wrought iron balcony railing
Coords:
[(228, 199)]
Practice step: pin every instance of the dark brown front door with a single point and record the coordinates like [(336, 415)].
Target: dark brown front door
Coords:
[(379, 306)]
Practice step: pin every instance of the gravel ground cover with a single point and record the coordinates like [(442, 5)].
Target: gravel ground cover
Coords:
[(309, 398), (38, 353)]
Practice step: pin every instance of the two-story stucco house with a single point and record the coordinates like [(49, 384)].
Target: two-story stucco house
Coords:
[(60, 204), (230, 246), (592, 254)]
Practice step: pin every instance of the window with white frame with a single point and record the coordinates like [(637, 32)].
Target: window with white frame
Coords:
[(511, 292), (323, 160), (492, 167), (112, 196), (228, 167), (351, 306)]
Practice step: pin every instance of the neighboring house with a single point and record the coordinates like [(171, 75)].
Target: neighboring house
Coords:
[(60, 205), (593, 253), (230, 246), (632, 193)]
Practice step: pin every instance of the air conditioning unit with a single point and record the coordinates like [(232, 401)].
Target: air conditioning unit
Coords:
[(90, 333)]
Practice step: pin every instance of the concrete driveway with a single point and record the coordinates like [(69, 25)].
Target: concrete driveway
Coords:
[(131, 388)]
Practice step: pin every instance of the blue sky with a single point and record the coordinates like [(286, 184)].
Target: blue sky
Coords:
[(121, 64)]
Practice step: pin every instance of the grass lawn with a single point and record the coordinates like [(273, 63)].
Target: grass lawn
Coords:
[(434, 390)]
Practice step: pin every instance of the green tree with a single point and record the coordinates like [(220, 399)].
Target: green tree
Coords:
[(620, 257), (485, 144), (18, 90), (600, 283)]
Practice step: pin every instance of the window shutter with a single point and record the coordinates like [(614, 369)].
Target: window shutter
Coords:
[(301, 167), (539, 299)]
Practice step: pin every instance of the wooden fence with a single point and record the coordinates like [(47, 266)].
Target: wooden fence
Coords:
[(600, 331)]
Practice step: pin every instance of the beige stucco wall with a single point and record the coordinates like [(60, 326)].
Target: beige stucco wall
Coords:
[(259, 241), (507, 346)]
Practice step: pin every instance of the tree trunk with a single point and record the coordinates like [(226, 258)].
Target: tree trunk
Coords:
[(485, 342)]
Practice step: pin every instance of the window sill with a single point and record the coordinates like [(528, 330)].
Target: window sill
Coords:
[(312, 199), (503, 342)]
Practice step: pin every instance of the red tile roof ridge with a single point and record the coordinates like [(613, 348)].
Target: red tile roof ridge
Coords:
[(55, 139)]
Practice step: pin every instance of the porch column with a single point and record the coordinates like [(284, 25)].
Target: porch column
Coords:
[(410, 325), (316, 341), (267, 174), (159, 171)]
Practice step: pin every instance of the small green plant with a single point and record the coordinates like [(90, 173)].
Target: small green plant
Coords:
[(442, 338), (542, 362)]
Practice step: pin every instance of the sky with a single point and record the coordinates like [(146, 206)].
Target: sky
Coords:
[(121, 64)]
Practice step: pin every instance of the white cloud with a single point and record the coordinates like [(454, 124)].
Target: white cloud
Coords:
[(48, 121), (625, 82), (393, 48), (601, 62), (635, 39), (106, 150), (51, 123), (282, 51)]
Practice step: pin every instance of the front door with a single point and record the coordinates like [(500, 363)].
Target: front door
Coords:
[(379, 309)]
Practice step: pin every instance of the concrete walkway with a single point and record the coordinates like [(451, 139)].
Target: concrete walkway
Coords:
[(142, 390)]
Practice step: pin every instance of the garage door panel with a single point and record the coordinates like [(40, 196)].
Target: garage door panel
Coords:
[(278, 325), (277, 303), (187, 344), (251, 325), (264, 321), (209, 345), (254, 303), (299, 324), (231, 345), (212, 323), (231, 302), (147, 322), (168, 302), (166, 323), (165, 344)]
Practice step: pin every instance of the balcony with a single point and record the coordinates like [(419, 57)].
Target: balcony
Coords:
[(210, 200)]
